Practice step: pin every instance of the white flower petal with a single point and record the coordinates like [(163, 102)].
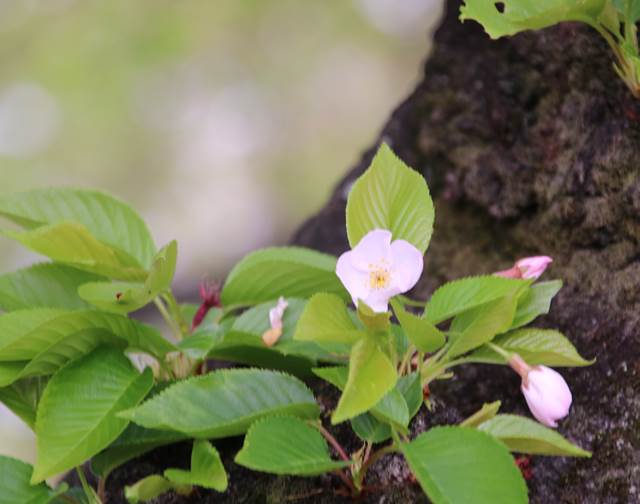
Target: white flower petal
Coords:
[(407, 264), (373, 248), (354, 279), (378, 300)]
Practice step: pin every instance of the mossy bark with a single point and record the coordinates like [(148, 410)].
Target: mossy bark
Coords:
[(530, 146)]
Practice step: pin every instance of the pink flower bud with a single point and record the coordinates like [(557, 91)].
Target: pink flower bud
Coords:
[(547, 394), (527, 268)]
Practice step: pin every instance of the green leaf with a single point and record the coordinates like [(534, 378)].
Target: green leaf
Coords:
[(58, 340), (224, 403), (369, 428), (269, 273), (390, 195), (255, 321), (460, 464), (371, 376), (151, 487), (108, 219), (22, 398), (425, 336), (487, 412), (462, 295), (71, 243), (482, 324), (536, 300), (15, 486), (523, 435), (77, 412), (520, 15), (15, 325), (410, 387), (206, 471), (391, 408), (46, 285), (536, 346), (373, 321), (326, 319), (133, 442), (125, 297), (286, 445), (631, 15)]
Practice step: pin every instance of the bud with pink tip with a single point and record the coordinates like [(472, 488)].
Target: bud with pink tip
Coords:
[(527, 268), (545, 390), (547, 394), (272, 335)]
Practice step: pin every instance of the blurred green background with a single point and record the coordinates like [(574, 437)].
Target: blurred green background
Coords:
[(225, 123)]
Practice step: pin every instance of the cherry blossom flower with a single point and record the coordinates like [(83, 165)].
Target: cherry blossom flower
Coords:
[(271, 336), (527, 268), (377, 269), (545, 390)]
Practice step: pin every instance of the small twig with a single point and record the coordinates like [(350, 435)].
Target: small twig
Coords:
[(102, 482), (372, 460), (332, 441)]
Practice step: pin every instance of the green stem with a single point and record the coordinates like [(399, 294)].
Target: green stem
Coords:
[(167, 318), (176, 313), (407, 359), (377, 455), (499, 350), (89, 492)]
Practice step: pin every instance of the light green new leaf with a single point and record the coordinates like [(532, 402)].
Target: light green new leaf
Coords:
[(69, 335), (536, 300), (125, 297), (46, 285), (151, 487), (424, 335), (518, 15), (286, 445), (326, 319), (108, 219), (224, 403), (392, 196), (461, 295), (71, 243), (371, 376), (15, 486), (391, 408), (283, 271), (22, 398), (487, 412), (373, 321), (77, 412), (206, 471), (536, 346), (481, 325), (523, 435), (461, 464), (15, 325)]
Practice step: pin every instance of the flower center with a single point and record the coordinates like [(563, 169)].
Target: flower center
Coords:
[(379, 277)]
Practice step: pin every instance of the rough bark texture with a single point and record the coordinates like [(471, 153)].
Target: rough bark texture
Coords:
[(530, 145)]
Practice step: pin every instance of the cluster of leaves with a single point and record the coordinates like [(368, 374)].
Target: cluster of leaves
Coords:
[(67, 346), (615, 20)]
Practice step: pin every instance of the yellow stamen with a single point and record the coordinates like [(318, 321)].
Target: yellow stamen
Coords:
[(379, 278)]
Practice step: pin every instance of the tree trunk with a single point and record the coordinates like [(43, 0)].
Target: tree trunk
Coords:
[(530, 146)]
